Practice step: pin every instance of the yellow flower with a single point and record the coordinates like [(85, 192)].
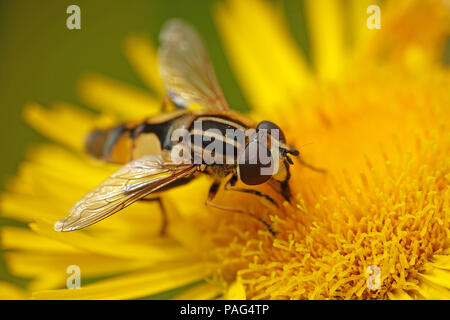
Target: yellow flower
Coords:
[(376, 226)]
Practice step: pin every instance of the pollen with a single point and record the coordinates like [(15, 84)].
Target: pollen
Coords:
[(380, 223)]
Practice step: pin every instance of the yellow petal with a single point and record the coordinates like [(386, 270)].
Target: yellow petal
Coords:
[(91, 242), (268, 76), (236, 291), (441, 261), (433, 291), (360, 34), (54, 122), (287, 64), (24, 239), (51, 164), (11, 292), (203, 291), (407, 39), (28, 208), (256, 84), (50, 176), (326, 29), (134, 285), (49, 270), (438, 276), (399, 294), (112, 97)]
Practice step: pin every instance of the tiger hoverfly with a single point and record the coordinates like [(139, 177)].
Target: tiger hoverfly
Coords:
[(146, 148)]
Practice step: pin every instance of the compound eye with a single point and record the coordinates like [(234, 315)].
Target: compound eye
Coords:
[(270, 127), (252, 169)]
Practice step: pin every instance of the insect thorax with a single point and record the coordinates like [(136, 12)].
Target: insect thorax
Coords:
[(216, 140)]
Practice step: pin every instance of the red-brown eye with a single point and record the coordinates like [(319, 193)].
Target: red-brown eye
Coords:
[(251, 164), (270, 127)]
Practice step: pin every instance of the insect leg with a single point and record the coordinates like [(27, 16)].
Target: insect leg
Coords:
[(213, 192), (308, 165), (230, 185), (164, 219)]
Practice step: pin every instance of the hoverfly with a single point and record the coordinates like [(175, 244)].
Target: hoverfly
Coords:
[(144, 147)]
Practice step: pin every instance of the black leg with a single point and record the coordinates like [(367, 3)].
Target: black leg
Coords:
[(213, 192), (164, 221), (310, 166), (230, 186)]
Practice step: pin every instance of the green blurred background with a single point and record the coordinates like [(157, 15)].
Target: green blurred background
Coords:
[(41, 60)]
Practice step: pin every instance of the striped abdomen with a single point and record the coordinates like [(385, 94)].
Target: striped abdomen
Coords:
[(217, 135), (126, 142)]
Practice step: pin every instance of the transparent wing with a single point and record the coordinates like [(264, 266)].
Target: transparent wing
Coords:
[(132, 182), (185, 68)]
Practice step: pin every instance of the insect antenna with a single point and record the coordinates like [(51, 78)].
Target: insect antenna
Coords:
[(285, 153), (310, 166)]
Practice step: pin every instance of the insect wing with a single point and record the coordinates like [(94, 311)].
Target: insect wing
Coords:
[(185, 68), (130, 183)]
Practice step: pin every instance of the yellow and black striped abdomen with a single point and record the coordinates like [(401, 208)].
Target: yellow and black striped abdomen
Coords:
[(126, 142), (112, 145)]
